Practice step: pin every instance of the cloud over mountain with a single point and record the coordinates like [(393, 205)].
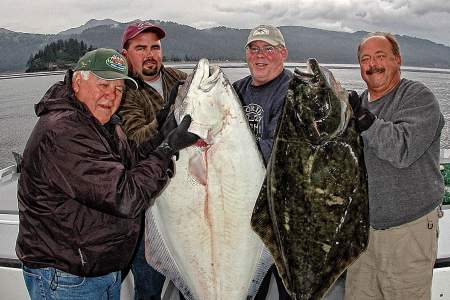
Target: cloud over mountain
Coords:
[(429, 19)]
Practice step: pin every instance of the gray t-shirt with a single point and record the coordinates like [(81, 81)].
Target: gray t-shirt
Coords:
[(401, 151)]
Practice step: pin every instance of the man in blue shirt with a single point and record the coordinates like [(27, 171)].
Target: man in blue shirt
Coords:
[(262, 94)]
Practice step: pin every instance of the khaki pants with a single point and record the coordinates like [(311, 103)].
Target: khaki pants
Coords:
[(398, 263)]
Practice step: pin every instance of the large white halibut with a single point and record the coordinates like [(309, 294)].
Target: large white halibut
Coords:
[(198, 232)]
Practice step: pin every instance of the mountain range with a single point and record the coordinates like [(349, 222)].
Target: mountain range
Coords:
[(187, 43)]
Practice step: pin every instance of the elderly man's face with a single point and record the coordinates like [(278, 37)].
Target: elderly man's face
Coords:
[(265, 61), (144, 55), (102, 97)]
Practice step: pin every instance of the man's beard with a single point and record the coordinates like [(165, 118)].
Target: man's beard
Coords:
[(151, 71)]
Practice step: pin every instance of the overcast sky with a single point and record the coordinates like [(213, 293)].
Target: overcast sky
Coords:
[(429, 19)]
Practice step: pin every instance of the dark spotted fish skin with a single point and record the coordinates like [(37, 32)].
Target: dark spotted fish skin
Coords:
[(312, 211)]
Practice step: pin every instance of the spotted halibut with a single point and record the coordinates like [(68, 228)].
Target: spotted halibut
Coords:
[(198, 232), (312, 212)]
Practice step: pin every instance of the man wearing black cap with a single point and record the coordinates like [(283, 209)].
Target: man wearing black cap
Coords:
[(143, 111), (84, 185)]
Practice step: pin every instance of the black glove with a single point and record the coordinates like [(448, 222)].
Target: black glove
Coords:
[(162, 115), (169, 124), (363, 117), (178, 139), (354, 100)]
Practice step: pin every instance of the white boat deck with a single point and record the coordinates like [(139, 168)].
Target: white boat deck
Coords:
[(11, 280)]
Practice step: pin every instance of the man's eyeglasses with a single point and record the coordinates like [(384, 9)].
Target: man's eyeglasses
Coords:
[(266, 50)]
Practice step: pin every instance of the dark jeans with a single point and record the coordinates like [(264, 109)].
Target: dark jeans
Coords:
[(148, 282)]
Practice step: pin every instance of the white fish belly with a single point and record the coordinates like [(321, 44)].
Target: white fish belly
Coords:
[(205, 227)]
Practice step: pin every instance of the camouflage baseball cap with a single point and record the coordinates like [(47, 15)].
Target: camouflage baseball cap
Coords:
[(266, 33), (107, 64)]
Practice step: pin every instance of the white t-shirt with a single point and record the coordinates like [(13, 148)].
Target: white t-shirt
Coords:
[(157, 85)]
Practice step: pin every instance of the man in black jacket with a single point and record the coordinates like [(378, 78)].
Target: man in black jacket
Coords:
[(84, 186)]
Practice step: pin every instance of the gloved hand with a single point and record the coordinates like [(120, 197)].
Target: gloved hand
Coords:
[(162, 115), (363, 117), (169, 124), (178, 139), (354, 100)]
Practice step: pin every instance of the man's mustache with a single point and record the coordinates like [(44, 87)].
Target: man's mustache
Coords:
[(373, 70)]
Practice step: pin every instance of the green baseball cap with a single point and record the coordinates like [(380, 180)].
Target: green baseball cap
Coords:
[(107, 64)]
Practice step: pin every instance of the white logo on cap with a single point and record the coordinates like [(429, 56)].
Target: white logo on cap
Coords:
[(261, 31), (116, 62), (143, 24)]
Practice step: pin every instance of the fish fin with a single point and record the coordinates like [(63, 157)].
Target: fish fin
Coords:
[(262, 224)]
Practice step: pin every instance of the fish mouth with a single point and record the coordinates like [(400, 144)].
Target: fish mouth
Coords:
[(204, 77), (210, 77), (195, 97), (324, 102)]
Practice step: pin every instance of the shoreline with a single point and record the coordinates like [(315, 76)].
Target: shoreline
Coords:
[(230, 65)]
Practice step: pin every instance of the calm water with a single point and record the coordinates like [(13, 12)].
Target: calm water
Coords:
[(18, 95)]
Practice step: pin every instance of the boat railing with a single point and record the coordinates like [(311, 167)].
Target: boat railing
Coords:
[(8, 174)]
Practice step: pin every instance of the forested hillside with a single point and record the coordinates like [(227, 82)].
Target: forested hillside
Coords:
[(59, 55), (186, 43)]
